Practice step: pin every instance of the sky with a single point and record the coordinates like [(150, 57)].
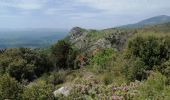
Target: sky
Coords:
[(65, 14)]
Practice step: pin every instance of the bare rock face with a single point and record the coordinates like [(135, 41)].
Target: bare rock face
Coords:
[(62, 91), (103, 43), (81, 39), (118, 39), (77, 36), (76, 33)]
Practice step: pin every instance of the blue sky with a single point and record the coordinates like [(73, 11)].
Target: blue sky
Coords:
[(84, 13)]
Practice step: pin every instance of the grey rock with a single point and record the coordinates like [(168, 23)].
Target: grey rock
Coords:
[(115, 40), (63, 90)]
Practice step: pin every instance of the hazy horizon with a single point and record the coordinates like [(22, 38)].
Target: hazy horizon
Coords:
[(65, 14), (30, 38)]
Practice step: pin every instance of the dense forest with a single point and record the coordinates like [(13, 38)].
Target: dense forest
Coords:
[(110, 64)]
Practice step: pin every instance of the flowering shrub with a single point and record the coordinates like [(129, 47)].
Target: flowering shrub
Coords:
[(90, 90), (95, 90), (126, 92)]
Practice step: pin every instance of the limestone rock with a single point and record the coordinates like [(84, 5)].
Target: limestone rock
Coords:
[(84, 40), (62, 91)]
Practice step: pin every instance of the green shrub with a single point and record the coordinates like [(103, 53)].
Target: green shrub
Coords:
[(38, 91), (63, 55), (107, 78), (57, 78), (154, 88), (102, 60), (165, 68), (166, 93), (145, 53), (152, 50), (23, 64), (9, 88), (135, 69)]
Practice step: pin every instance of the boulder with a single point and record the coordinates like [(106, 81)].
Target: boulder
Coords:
[(62, 91)]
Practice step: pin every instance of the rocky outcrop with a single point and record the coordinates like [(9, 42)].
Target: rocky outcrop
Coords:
[(111, 38), (76, 32), (77, 37), (118, 39), (62, 91)]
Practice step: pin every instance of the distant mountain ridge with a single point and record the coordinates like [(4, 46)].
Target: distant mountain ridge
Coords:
[(150, 21)]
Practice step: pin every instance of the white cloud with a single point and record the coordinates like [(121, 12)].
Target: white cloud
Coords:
[(57, 11), (83, 15), (30, 4), (70, 8), (107, 6), (123, 6), (24, 4), (82, 12), (69, 14)]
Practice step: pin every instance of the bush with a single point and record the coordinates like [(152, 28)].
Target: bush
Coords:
[(145, 53), (165, 68), (38, 91), (90, 90), (135, 69), (151, 50), (154, 88), (63, 55), (107, 78), (102, 60), (23, 64), (9, 88), (57, 78)]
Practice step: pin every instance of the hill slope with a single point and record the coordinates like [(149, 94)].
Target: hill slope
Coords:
[(115, 38), (151, 21), (89, 40)]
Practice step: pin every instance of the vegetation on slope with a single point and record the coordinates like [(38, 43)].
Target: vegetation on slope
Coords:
[(138, 71)]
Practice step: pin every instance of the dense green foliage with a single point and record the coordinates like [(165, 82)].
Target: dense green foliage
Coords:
[(135, 69), (102, 60), (150, 52), (9, 88), (165, 68), (154, 88), (56, 78), (23, 64), (63, 55), (38, 91)]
